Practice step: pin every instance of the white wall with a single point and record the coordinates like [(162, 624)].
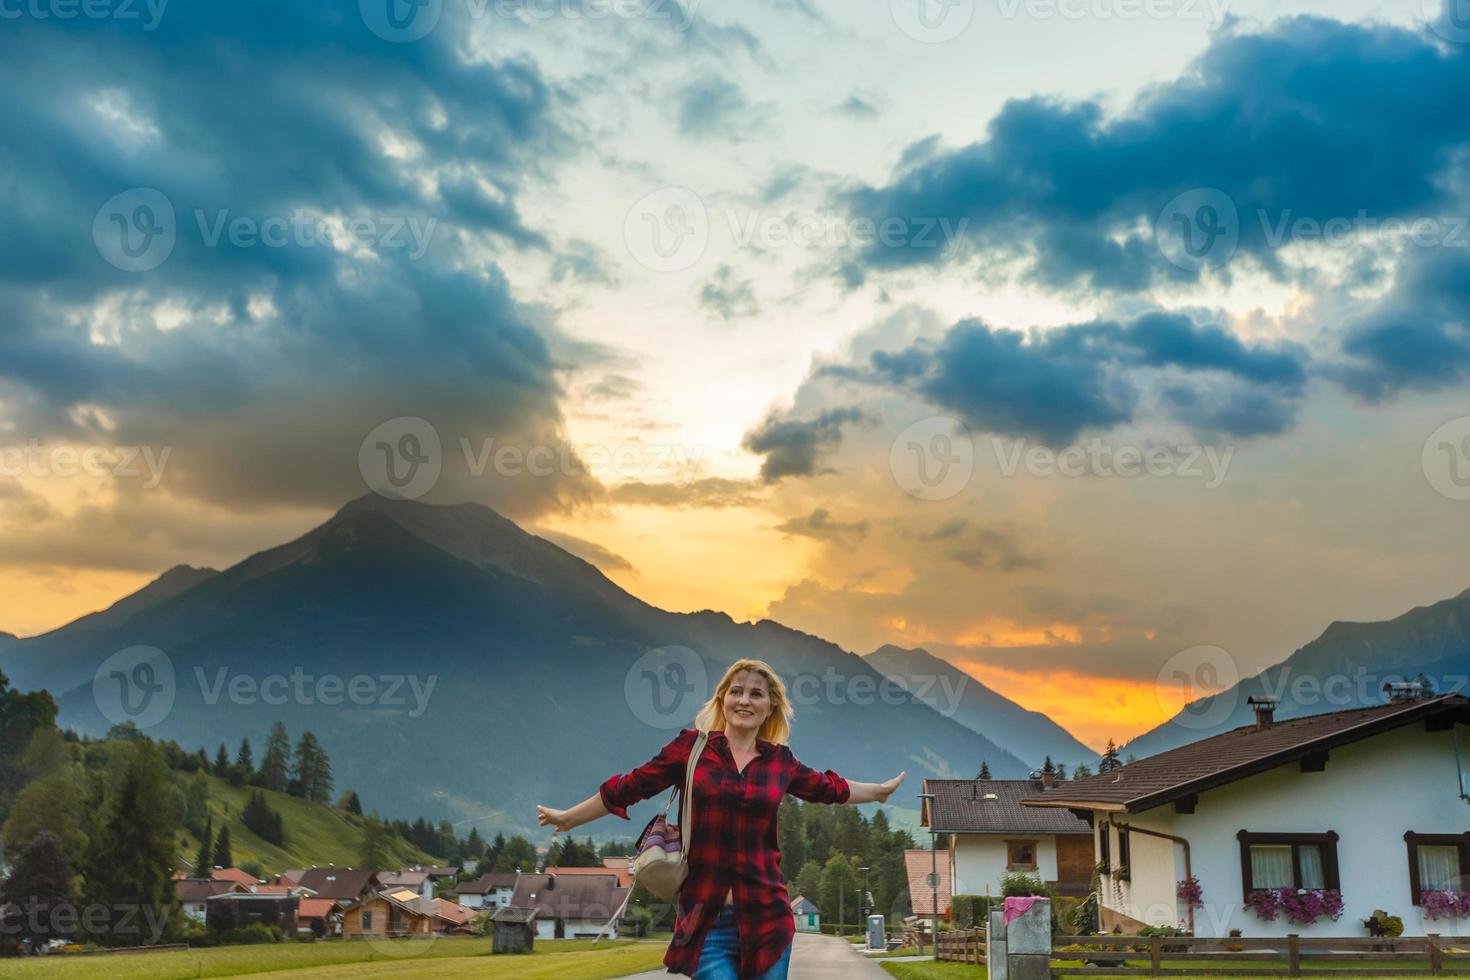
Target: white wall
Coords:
[(979, 861), (546, 928), (1371, 793)]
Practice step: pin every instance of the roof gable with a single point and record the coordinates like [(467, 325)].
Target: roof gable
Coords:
[(993, 806)]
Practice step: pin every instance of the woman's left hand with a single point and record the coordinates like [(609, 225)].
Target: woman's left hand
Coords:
[(885, 790)]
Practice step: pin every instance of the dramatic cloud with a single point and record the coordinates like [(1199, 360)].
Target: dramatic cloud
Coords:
[(792, 447), (729, 297), (820, 525)]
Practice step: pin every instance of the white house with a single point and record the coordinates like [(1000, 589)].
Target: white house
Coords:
[(992, 834), (489, 891), (1369, 804), (194, 893), (808, 917), (570, 906)]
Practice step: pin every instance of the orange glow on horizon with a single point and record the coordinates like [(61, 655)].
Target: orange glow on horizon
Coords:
[(1094, 709)]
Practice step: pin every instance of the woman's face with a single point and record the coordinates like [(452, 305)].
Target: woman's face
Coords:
[(747, 702)]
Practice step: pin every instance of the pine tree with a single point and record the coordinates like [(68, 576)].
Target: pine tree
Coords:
[(222, 761), (373, 848), (276, 761), (128, 867), (351, 803), (204, 860), (1061, 772), (791, 837), (1049, 767), (474, 845), (222, 856), (39, 892), (261, 820), (1081, 771), (1109, 760), (313, 770), (809, 883), (243, 760), (984, 770)]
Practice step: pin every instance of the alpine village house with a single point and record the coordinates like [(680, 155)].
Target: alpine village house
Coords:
[(1306, 825)]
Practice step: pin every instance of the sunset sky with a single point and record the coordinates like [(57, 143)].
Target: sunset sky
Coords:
[(814, 310)]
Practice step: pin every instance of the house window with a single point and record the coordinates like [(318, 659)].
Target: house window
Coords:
[(1288, 861), (1437, 862), (1124, 850), (1020, 855), (367, 920), (1104, 848)]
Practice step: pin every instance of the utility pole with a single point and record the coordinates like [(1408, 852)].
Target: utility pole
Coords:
[(867, 896)]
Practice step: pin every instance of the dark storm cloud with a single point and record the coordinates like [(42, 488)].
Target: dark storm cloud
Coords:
[(793, 447), (1310, 118), (280, 356)]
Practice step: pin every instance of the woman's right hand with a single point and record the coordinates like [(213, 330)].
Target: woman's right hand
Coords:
[(560, 819)]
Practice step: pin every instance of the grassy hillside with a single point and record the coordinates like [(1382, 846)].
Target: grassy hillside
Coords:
[(315, 833)]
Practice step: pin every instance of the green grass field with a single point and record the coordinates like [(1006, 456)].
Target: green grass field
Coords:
[(459, 957), (961, 971)]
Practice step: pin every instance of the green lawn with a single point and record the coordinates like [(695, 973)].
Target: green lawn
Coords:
[(553, 960), (957, 971), (932, 970)]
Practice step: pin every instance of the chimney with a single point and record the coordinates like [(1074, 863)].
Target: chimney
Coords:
[(1048, 779), (1265, 709)]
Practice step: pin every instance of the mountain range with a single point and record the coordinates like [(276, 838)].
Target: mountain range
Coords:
[(1345, 667), (523, 674), (1030, 735)]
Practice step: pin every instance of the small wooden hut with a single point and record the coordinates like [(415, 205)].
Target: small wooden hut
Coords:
[(515, 930)]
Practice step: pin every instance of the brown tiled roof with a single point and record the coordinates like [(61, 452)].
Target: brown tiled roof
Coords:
[(487, 881), (343, 884), (316, 908), (571, 897), (1241, 752), (921, 893), (993, 806), (202, 889), (453, 913), (403, 879), (234, 874)]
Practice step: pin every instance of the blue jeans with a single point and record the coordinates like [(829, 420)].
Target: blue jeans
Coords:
[(719, 957)]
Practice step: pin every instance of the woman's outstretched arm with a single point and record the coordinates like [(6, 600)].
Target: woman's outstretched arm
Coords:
[(874, 792), (587, 811)]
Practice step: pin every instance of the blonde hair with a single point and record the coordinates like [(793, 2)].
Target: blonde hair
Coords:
[(777, 726)]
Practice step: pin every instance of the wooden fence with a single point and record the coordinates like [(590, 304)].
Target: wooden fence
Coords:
[(961, 946), (1124, 956)]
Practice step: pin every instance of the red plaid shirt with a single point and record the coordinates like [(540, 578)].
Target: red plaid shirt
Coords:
[(734, 845)]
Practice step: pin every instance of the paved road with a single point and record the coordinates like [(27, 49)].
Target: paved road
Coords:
[(816, 958)]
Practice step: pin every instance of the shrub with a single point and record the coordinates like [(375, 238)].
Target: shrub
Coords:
[(1163, 931), (1302, 906), (1444, 903), (970, 911), (1018, 884)]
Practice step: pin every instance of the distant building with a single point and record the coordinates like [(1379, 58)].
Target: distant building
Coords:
[(341, 884), (489, 891), (570, 906), (236, 910), (195, 893), (808, 917), (417, 881)]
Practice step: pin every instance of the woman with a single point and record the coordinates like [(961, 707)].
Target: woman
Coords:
[(734, 916)]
